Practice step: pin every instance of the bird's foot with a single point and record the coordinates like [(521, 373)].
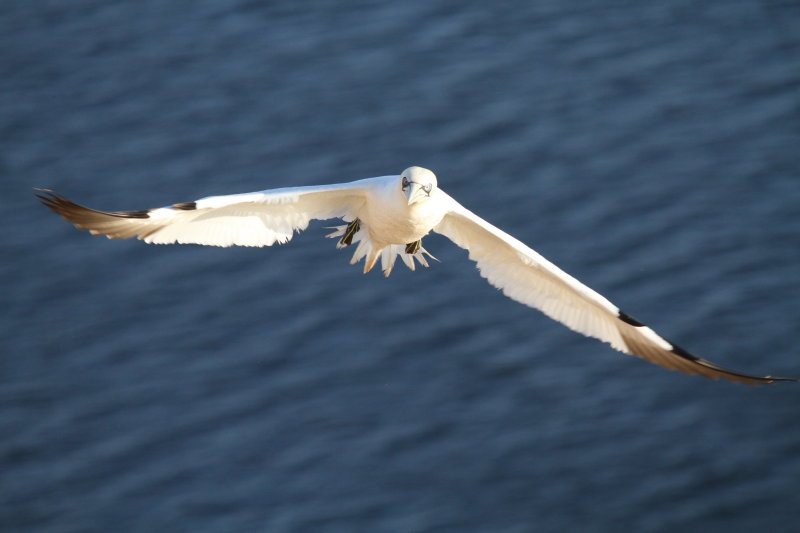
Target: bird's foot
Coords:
[(351, 229), (414, 247)]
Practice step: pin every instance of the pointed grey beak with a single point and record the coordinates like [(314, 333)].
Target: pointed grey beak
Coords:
[(415, 192)]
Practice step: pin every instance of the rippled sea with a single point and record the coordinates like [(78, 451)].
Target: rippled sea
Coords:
[(651, 149)]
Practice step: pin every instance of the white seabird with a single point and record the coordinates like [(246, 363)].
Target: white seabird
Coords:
[(387, 217)]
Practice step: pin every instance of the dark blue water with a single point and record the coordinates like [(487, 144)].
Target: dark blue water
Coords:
[(652, 149)]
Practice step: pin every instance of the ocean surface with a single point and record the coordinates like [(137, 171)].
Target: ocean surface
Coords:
[(651, 149)]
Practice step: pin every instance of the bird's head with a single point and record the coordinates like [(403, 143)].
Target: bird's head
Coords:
[(417, 183)]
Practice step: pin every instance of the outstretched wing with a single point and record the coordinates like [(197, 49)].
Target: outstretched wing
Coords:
[(251, 219), (527, 277)]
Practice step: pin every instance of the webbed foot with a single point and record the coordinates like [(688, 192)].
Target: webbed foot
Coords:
[(351, 229), (414, 247)]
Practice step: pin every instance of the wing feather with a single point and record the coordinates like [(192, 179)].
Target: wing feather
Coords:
[(251, 219), (527, 277)]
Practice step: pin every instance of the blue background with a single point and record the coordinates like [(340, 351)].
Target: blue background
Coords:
[(651, 149)]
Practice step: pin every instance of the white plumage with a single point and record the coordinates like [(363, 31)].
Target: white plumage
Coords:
[(387, 217)]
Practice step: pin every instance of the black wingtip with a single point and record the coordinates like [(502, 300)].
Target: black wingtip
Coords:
[(739, 376), (699, 365), (48, 198), (68, 209), (628, 319)]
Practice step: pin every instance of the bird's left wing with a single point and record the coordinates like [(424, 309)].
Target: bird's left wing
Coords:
[(250, 219), (527, 277)]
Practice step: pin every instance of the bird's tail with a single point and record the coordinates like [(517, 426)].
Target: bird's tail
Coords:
[(367, 250)]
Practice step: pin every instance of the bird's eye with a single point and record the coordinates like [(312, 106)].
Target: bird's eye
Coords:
[(405, 182), (427, 188)]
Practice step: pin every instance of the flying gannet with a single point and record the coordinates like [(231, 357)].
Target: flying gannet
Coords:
[(387, 217)]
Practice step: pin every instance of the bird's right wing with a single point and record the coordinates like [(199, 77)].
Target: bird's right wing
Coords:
[(250, 219), (527, 277)]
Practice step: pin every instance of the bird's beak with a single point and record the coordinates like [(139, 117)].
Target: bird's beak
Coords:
[(415, 192)]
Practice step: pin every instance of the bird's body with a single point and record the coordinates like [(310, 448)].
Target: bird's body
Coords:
[(390, 219), (387, 217)]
